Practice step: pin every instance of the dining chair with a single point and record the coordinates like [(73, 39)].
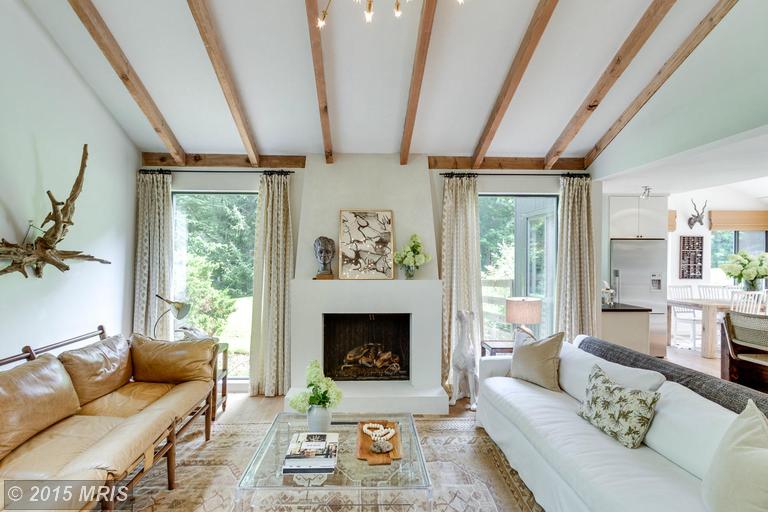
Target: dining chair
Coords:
[(747, 337), (747, 302), (682, 315), (716, 292)]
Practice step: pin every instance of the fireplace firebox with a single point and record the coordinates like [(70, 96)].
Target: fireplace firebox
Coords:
[(367, 346)]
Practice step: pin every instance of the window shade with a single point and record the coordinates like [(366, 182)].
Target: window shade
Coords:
[(671, 220), (738, 220)]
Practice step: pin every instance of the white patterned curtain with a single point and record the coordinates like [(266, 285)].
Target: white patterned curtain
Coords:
[(272, 272), (460, 265), (576, 294), (152, 269)]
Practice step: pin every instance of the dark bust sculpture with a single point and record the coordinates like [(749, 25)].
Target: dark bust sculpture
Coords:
[(325, 250)]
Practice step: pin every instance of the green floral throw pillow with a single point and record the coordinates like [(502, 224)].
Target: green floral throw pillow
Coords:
[(624, 414)]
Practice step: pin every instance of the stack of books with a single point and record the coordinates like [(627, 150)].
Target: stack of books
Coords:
[(311, 452)]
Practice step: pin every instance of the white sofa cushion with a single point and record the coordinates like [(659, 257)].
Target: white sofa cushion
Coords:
[(736, 481), (576, 364), (687, 428), (605, 475)]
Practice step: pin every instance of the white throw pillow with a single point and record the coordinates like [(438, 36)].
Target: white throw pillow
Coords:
[(736, 480), (688, 428), (576, 364)]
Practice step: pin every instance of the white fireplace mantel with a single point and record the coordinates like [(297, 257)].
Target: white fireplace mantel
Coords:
[(421, 298)]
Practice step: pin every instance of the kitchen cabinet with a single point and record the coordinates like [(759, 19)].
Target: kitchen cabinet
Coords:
[(632, 217)]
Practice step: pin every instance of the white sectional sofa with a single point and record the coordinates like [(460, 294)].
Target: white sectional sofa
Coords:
[(571, 466)]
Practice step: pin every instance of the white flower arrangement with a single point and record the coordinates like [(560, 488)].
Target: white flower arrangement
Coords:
[(746, 268), (412, 256), (321, 391)]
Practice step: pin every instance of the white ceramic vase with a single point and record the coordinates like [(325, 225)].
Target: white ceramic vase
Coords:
[(318, 419)]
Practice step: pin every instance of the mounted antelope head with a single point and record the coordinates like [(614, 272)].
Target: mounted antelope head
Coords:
[(698, 216)]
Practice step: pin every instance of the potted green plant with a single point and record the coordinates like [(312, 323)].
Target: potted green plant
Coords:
[(321, 396), (747, 269), (412, 256)]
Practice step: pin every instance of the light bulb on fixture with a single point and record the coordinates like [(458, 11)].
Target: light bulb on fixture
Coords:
[(369, 12), (461, 2), (646, 193), (398, 12), (323, 15)]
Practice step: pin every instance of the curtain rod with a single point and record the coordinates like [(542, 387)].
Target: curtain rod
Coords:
[(472, 174), (268, 172)]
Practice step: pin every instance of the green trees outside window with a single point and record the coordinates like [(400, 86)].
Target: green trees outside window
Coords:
[(214, 237)]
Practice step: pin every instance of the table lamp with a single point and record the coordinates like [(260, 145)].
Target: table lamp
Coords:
[(523, 311), (178, 309)]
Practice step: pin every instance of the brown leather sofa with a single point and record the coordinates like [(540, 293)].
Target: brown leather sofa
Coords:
[(103, 411)]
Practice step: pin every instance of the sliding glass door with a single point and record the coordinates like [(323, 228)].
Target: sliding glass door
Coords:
[(213, 247), (518, 251)]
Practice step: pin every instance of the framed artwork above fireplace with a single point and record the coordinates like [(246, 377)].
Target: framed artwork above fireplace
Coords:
[(366, 244)]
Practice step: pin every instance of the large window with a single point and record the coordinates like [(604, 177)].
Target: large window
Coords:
[(213, 236), (518, 250), (725, 243)]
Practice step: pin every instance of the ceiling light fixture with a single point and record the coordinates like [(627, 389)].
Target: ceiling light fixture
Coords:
[(646, 193), (323, 15), (368, 13)]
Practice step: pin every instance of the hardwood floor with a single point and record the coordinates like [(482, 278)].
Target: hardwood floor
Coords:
[(692, 359), (242, 408)]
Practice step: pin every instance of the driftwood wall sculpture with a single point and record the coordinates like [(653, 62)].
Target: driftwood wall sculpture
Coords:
[(37, 254)]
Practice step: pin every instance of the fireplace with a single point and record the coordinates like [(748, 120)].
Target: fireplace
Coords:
[(367, 346)]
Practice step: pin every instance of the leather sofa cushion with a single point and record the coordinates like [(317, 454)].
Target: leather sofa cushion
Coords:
[(99, 368), (126, 401), (171, 361), (184, 397), (33, 396), (48, 452), (176, 400), (117, 451)]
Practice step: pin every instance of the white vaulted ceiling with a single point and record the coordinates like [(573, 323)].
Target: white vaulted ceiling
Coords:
[(368, 71)]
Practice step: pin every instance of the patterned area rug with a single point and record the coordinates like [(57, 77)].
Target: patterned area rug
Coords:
[(468, 471)]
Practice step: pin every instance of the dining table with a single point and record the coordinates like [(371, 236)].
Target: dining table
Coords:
[(709, 310)]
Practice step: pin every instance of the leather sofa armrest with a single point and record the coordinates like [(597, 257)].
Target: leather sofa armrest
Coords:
[(494, 366)]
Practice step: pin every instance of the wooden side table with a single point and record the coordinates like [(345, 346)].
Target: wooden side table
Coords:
[(221, 371), (494, 348)]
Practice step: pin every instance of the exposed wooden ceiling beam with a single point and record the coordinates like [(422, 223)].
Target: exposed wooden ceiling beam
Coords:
[(629, 49), (417, 75), (705, 26), (502, 163), (538, 23), (317, 61), (101, 34), (203, 19), (222, 160)]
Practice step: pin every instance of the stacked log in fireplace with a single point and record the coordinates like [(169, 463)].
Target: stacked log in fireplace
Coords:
[(382, 355)]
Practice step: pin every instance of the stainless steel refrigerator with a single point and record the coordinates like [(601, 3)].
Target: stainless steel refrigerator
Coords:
[(639, 276)]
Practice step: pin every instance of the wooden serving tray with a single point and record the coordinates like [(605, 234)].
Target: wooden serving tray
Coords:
[(364, 443)]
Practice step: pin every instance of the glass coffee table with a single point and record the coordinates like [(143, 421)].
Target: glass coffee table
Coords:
[(355, 485)]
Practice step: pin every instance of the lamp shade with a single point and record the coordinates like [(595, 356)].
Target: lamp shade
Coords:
[(178, 309), (523, 310)]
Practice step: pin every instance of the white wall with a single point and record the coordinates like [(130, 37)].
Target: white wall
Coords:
[(718, 92), (717, 198), (370, 182), (47, 113)]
